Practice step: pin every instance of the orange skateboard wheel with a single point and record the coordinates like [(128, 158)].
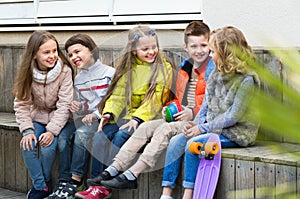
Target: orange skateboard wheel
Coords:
[(195, 147), (211, 148)]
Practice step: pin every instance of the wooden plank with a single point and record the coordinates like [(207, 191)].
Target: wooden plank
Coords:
[(264, 180), (10, 161), (244, 179), (2, 159), (143, 188), (8, 80), (226, 184), (2, 79), (21, 171), (106, 56), (298, 182), (286, 180), (272, 64), (154, 184)]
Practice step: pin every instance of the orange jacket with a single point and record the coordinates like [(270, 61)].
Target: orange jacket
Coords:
[(183, 78)]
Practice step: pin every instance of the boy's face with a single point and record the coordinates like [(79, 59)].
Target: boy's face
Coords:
[(197, 48)]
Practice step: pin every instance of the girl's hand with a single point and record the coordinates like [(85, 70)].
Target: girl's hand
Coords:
[(185, 115), (132, 124), (89, 118), (26, 142), (163, 112), (75, 106), (104, 119), (46, 139), (191, 130)]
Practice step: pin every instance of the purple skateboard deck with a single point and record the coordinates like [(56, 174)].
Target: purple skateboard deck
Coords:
[(208, 173)]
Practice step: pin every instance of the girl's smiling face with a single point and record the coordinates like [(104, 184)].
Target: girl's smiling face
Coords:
[(147, 49), (47, 55), (80, 56)]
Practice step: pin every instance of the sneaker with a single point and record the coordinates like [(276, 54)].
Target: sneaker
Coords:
[(57, 189), (68, 192), (82, 194), (120, 182), (99, 192), (105, 175), (37, 194)]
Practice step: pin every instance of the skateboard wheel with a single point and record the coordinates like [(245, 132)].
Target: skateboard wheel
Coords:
[(211, 148), (195, 147)]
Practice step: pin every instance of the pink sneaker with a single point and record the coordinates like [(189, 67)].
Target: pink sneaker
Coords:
[(99, 192), (82, 194)]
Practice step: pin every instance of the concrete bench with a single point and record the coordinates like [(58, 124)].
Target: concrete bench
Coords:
[(261, 171)]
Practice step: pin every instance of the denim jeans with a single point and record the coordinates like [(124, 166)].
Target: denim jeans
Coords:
[(65, 145), (82, 147), (40, 169), (106, 145), (177, 146)]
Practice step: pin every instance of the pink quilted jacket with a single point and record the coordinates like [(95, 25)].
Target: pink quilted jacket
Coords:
[(49, 104)]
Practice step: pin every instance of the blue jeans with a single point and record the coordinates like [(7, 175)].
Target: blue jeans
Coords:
[(177, 146), (106, 145), (82, 147), (40, 169)]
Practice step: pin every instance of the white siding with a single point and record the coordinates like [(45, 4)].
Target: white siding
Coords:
[(104, 12)]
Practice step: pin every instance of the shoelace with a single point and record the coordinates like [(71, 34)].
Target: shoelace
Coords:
[(95, 191)]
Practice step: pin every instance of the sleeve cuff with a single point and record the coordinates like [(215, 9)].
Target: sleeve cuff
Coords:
[(27, 131), (98, 115), (140, 121)]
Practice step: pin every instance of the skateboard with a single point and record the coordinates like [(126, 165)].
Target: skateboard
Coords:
[(209, 167)]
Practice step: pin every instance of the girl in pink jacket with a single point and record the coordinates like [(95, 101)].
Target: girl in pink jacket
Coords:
[(43, 90)]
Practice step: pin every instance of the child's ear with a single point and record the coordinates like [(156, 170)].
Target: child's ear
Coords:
[(185, 47)]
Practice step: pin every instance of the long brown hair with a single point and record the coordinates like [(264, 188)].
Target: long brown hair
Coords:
[(124, 66), (24, 77)]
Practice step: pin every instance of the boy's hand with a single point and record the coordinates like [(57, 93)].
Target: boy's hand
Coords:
[(191, 130), (185, 115), (46, 139), (132, 124), (104, 119), (89, 118), (163, 112), (26, 142), (75, 106)]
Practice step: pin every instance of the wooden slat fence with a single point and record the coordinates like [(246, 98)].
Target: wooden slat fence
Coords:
[(10, 58)]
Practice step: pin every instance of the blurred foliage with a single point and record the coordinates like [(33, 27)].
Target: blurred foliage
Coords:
[(279, 115)]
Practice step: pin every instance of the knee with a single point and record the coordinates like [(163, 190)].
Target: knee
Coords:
[(120, 138)]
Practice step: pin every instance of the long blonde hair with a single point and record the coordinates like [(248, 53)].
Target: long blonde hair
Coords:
[(24, 77), (225, 42), (124, 66)]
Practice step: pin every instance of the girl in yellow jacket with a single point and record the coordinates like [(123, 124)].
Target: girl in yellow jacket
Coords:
[(139, 89)]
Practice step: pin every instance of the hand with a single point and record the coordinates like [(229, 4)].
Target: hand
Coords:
[(191, 130), (75, 106), (163, 112), (89, 118), (104, 119), (185, 115), (46, 139), (26, 142), (132, 124)]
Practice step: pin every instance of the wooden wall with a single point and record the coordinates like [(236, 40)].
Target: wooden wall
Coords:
[(10, 58)]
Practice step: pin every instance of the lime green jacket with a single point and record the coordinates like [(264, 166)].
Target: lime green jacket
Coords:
[(141, 72)]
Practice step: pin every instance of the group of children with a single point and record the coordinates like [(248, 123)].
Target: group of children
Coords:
[(118, 113)]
